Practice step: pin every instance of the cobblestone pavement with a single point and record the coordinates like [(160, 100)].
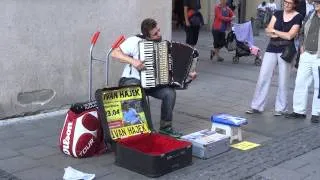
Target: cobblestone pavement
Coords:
[(289, 148), (239, 165), (6, 175)]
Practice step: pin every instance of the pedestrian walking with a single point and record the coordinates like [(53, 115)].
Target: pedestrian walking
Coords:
[(193, 20), (223, 16)]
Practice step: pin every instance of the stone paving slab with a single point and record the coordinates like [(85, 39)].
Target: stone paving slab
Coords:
[(40, 151), (18, 163), (303, 167), (52, 141), (43, 172), (7, 176), (236, 164), (283, 174), (6, 153), (20, 143)]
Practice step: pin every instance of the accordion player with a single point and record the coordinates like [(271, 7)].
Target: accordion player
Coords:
[(166, 63)]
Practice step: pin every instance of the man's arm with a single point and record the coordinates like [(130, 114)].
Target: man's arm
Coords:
[(301, 39), (185, 10), (118, 54), (270, 27)]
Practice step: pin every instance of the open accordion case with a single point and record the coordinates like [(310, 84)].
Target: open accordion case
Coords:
[(127, 127)]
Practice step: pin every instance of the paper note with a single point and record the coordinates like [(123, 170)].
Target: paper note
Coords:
[(245, 145)]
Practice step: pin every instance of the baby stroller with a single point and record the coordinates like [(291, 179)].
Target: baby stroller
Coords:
[(240, 39)]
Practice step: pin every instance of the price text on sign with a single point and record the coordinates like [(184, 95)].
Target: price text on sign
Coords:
[(113, 111)]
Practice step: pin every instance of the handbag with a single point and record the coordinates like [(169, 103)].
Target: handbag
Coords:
[(289, 52)]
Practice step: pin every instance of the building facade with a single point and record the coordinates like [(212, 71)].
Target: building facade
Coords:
[(248, 9), (45, 48)]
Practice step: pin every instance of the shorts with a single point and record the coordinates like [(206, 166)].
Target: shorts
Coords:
[(192, 34)]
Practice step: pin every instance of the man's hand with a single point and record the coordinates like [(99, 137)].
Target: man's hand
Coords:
[(187, 23), (193, 75), (138, 64)]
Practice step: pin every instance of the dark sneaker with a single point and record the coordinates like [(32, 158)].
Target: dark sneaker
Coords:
[(253, 111), (315, 119), (294, 115), (171, 132)]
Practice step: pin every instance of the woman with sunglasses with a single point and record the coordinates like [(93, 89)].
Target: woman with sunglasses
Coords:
[(282, 29)]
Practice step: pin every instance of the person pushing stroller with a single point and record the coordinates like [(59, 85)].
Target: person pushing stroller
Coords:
[(223, 16)]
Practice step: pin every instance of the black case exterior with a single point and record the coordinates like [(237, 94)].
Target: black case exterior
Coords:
[(140, 162), (150, 165)]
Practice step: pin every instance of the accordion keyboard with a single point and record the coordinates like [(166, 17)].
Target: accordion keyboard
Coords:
[(155, 58), (146, 55)]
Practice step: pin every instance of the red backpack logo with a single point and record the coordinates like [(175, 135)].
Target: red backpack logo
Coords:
[(82, 135)]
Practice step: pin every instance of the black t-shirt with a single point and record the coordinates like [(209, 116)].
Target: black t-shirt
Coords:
[(192, 4), (280, 25)]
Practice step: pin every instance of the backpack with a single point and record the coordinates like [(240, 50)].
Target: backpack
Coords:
[(81, 135)]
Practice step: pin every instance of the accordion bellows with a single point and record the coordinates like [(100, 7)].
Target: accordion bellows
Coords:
[(166, 63)]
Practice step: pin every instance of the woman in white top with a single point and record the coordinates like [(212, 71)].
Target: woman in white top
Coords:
[(262, 6), (272, 6)]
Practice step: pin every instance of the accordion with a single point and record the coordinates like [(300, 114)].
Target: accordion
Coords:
[(166, 63)]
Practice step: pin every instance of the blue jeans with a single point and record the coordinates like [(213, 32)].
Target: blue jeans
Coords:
[(165, 93)]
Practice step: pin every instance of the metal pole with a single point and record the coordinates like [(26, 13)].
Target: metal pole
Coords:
[(90, 74), (94, 39), (107, 67)]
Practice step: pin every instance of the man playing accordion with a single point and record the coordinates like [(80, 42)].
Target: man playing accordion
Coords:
[(128, 52)]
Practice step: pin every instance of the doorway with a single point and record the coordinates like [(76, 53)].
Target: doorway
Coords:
[(177, 14)]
